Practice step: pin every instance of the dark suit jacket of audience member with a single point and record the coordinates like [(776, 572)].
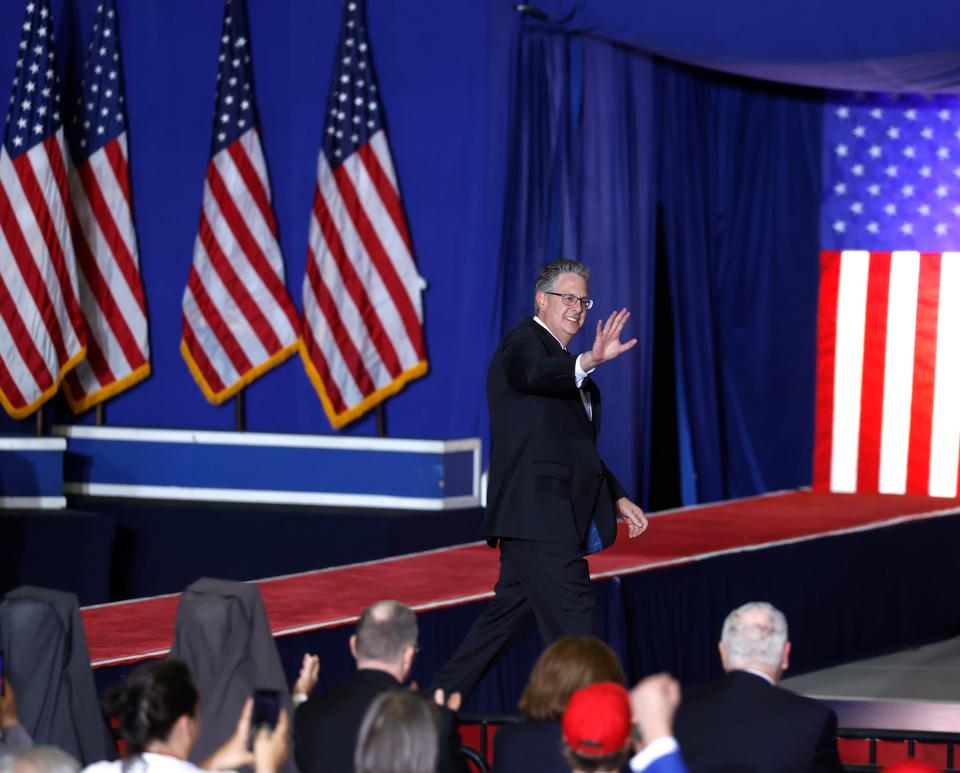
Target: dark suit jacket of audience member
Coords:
[(532, 745), (325, 728), (529, 745), (743, 723)]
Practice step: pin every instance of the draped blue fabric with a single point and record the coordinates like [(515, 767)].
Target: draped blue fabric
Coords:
[(580, 185), (596, 142), (740, 191), (870, 45)]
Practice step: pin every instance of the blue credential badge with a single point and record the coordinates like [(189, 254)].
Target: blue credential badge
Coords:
[(594, 543)]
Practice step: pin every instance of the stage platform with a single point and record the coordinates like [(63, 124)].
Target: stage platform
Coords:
[(857, 575)]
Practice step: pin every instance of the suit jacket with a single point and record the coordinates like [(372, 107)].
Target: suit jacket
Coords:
[(516, 747), (546, 477), (325, 728), (742, 723)]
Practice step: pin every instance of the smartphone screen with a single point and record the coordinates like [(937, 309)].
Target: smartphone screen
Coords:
[(266, 711)]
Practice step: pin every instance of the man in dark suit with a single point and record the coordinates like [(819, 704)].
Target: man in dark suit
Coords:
[(325, 728), (745, 722), (550, 498)]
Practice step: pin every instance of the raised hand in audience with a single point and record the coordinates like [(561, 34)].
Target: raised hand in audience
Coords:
[(653, 703), (307, 679)]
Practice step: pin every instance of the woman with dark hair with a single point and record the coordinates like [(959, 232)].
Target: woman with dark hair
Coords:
[(567, 665), (398, 735), (156, 712)]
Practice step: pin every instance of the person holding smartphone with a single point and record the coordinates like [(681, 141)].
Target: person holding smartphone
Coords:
[(156, 710)]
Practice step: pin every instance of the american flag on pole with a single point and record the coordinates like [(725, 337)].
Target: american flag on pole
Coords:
[(42, 332), (362, 314), (111, 291), (888, 376), (238, 320)]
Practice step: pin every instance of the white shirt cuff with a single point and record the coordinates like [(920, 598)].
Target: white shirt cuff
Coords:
[(297, 698), (653, 751), (579, 373)]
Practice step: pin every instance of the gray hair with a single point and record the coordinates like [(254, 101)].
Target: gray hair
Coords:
[(550, 273), (385, 630), (45, 759), (398, 735), (751, 642)]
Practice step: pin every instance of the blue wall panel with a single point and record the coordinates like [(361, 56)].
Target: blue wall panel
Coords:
[(443, 71)]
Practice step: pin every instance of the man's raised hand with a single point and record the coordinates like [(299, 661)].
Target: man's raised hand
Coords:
[(607, 346)]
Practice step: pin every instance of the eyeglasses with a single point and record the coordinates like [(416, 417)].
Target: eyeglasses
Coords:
[(569, 299)]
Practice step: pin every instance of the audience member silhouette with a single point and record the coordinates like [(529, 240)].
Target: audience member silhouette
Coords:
[(384, 646), (570, 663), (398, 735), (157, 713), (745, 721)]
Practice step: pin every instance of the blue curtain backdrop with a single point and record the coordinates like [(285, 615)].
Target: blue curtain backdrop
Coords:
[(600, 135), (739, 188), (580, 185)]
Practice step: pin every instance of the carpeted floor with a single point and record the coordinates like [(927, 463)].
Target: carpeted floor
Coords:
[(134, 630)]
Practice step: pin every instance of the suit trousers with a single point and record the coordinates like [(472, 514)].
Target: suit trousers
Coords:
[(542, 584)]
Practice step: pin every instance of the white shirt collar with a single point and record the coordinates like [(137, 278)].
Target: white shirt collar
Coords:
[(765, 677), (544, 326)]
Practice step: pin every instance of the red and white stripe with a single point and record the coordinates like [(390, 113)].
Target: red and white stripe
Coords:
[(888, 373), (41, 328), (363, 319), (238, 320), (111, 290)]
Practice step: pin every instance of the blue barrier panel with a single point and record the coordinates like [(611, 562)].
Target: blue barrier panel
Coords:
[(31, 473), (314, 470)]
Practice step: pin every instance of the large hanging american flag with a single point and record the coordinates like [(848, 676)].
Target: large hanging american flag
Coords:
[(111, 291), (362, 315), (238, 320), (888, 376), (42, 332)]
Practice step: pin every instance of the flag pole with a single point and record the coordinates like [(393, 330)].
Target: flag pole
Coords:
[(39, 428), (381, 420), (240, 418), (99, 415)]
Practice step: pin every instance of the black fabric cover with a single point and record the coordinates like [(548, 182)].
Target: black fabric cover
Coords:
[(223, 636), (48, 664)]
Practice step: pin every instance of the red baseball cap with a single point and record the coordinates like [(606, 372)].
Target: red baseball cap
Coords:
[(597, 719)]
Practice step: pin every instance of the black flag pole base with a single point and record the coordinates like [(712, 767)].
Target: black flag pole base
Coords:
[(381, 420)]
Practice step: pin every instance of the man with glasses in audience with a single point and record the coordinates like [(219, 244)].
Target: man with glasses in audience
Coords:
[(550, 498)]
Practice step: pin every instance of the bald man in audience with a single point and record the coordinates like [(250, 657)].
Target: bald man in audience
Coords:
[(326, 727), (746, 722)]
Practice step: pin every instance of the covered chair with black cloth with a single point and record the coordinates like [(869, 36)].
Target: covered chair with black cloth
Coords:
[(223, 636), (48, 665)]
